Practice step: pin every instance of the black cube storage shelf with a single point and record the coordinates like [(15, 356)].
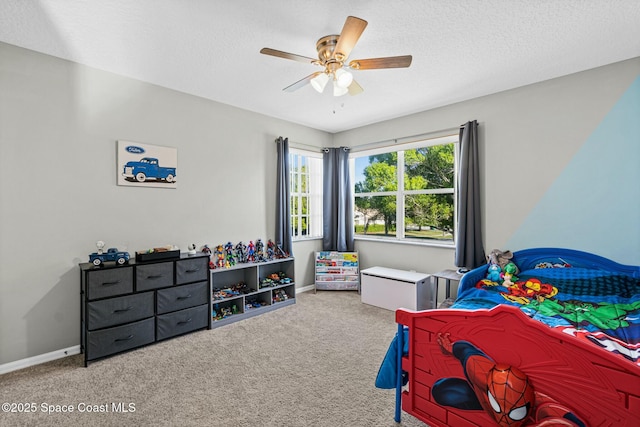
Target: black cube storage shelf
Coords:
[(130, 306), (126, 307)]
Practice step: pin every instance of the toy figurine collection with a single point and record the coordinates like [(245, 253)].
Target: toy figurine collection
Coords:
[(229, 255), (225, 256)]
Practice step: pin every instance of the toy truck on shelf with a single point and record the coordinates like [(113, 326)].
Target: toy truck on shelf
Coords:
[(112, 254), (148, 168)]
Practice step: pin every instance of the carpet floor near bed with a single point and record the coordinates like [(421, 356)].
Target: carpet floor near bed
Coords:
[(310, 364), (447, 303)]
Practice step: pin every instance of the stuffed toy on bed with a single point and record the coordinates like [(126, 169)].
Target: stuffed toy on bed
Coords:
[(494, 273), (501, 258)]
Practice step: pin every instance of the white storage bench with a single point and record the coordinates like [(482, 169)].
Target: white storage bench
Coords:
[(392, 289)]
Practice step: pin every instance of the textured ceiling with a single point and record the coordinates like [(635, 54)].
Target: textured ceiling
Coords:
[(461, 49)]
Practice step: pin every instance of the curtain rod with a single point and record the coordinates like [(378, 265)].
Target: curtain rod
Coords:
[(326, 149), (406, 139), (401, 140), (294, 144)]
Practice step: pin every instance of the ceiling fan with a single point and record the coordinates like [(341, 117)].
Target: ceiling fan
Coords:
[(333, 51)]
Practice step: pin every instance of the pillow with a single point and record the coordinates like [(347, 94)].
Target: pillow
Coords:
[(553, 263)]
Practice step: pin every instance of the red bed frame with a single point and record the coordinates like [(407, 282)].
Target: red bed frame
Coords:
[(601, 388)]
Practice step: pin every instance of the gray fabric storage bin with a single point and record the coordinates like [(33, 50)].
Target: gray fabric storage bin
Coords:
[(177, 298), (120, 338), (180, 322), (154, 276), (109, 282), (116, 311)]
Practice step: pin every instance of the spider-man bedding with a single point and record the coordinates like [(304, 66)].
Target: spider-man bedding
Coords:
[(557, 344)]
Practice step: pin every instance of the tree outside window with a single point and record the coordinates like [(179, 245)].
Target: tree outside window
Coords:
[(407, 194), (306, 194)]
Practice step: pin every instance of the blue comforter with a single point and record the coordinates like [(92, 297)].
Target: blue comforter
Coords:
[(600, 306), (592, 301)]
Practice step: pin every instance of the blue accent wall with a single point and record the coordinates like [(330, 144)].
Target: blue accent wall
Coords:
[(594, 205)]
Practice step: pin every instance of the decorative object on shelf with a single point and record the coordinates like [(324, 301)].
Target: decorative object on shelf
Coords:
[(230, 259), (275, 279), (231, 291), (157, 254), (100, 257), (251, 252), (279, 296), (241, 252), (281, 253), (146, 165), (228, 255), (271, 250), (259, 251), (218, 257)]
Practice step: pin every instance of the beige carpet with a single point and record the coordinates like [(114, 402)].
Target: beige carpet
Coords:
[(310, 364)]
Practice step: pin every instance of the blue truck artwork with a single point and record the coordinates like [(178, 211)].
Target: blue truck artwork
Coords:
[(148, 168)]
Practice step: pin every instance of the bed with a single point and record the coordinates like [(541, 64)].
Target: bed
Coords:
[(557, 345)]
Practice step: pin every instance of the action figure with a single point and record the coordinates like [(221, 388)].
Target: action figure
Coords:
[(281, 253), (219, 256), (271, 250), (230, 259), (241, 252), (259, 251), (251, 252)]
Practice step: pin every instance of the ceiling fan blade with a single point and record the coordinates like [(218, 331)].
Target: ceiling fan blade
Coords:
[(351, 32), (300, 83), (286, 55), (355, 88), (376, 63)]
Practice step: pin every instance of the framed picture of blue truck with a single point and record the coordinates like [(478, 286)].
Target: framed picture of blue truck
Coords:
[(146, 165)]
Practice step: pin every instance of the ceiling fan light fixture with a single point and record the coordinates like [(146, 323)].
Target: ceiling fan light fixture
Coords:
[(339, 90), (333, 51), (319, 82), (343, 78)]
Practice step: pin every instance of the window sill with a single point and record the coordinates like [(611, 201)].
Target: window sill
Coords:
[(393, 240), (305, 239)]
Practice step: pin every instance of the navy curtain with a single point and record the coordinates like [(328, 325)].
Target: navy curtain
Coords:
[(283, 192), (469, 247), (337, 201)]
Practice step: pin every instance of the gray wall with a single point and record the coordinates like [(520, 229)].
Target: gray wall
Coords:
[(559, 166), (59, 123)]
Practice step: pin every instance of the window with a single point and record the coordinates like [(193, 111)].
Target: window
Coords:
[(406, 194), (306, 194)]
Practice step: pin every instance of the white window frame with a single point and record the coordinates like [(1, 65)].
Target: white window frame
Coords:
[(313, 194), (400, 193)]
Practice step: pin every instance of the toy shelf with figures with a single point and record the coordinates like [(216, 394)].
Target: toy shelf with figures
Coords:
[(337, 271), (249, 289)]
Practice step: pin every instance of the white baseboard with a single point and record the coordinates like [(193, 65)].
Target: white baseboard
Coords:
[(59, 354), (36, 360), (305, 288)]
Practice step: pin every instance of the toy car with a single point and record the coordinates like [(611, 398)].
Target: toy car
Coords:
[(112, 254)]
